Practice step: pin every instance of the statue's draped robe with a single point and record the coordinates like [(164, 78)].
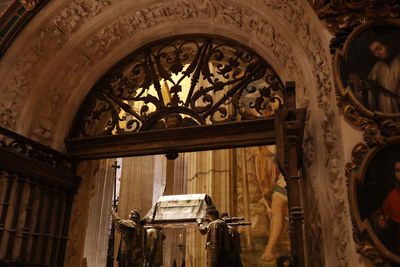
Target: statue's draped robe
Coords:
[(132, 245), (218, 243), (235, 247), (154, 246)]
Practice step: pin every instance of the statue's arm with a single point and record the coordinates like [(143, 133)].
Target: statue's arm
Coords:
[(202, 228), (116, 220)]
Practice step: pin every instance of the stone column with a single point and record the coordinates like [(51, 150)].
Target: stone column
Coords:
[(99, 219), (80, 215), (174, 186), (207, 172)]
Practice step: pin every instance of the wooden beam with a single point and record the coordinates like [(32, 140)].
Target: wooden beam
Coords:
[(36, 170), (187, 139)]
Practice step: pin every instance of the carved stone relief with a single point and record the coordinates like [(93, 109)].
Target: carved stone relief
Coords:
[(316, 53), (53, 38)]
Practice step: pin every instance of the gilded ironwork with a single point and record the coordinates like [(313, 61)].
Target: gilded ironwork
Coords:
[(366, 175), (181, 81), (358, 83)]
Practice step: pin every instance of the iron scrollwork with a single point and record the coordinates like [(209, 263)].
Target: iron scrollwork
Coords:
[(183, 81), (17, 144)]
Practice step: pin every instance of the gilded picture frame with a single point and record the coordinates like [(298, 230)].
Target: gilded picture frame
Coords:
[(367, 75), (374, 176)]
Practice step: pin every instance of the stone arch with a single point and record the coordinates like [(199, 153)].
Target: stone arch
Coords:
[(49, 61), (55, 90)]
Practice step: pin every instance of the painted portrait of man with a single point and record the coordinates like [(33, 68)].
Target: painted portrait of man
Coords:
[(379, 197)]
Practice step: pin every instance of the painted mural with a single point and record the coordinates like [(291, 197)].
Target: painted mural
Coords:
[(262, 199)]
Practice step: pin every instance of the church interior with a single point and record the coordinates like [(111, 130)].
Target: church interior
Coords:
[(285, 114)]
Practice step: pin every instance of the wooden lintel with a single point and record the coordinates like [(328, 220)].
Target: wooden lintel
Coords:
[(36, 170), (188, 139)]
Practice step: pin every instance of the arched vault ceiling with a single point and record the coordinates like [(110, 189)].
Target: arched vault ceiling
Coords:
[(66, 48)]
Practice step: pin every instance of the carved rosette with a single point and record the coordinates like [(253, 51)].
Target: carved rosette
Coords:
[(361, 175), (376, 124)]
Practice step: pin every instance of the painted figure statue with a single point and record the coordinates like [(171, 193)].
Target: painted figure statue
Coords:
[(234, 237), (218, 242), (133, 239), (154, 247)]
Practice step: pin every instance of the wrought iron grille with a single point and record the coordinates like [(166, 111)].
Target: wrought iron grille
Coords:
[(37, 186), (178, 82), (18, 144)]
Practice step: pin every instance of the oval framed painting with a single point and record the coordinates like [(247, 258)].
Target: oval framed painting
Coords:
[(374, 195), (367, 71)]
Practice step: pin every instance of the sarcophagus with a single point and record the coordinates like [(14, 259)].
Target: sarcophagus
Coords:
[(178, 211)]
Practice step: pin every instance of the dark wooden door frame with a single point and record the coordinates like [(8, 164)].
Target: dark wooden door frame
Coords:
[(285, 129), (188, 139)]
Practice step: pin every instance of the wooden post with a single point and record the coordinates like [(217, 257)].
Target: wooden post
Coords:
[(289, 125), (62, 205), (246, 200), (6, 204), (26, 231), (49, 222), (35, 255), (12, 231)]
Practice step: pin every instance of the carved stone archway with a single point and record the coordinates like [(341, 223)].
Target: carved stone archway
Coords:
[(49, 61)]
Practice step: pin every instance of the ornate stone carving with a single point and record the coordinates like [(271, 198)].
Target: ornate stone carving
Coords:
[(369, 250), (53, 37), (317, 55), (341, 14), (340, 38), (109, 38), (357, 155), (53, 99)]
